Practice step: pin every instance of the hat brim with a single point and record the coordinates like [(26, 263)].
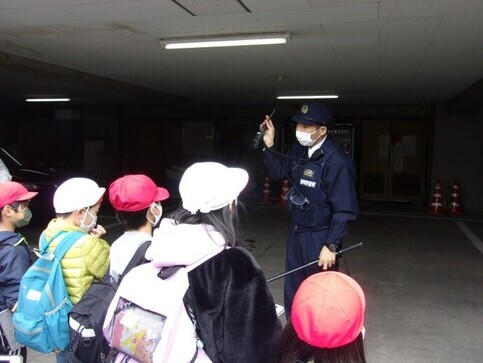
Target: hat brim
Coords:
[(303, 120), (97, 197), (161, 194), (238, 179), (27, 196)]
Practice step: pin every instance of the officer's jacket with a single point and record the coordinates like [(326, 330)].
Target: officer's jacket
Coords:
[(323, 193)]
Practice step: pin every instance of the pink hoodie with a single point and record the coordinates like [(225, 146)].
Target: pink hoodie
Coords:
[(184, 244)]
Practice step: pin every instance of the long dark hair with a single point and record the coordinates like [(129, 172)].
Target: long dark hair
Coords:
[(224, 220), (292, 349)]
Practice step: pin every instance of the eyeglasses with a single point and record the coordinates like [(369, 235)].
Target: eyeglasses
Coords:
[(299, 200)]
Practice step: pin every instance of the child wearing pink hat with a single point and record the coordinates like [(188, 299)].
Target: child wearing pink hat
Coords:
[(14, 254), (327, 322), (137, 203)]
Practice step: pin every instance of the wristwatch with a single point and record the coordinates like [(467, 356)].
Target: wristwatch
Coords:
[(332, 247)]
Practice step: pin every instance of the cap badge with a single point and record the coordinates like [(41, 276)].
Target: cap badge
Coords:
[(305, 108), (308, 173)]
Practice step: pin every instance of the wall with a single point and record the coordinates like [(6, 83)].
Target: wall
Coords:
[(149, 139), (97, 141), (458, 154)]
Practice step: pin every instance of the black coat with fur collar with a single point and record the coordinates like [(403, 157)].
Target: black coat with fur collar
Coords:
[(234, 308)]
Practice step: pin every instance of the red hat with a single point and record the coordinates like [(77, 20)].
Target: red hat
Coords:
[(328, 310), (133, 193), (14, 192)]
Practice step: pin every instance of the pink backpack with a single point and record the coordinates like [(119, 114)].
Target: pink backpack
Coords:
[(148, 322)]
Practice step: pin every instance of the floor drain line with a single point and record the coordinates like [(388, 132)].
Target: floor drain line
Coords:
[(471, 236)]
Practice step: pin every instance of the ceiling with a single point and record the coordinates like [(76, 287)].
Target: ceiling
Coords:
[(367, 51)]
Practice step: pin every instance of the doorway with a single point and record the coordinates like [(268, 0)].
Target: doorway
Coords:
[(394, 160)]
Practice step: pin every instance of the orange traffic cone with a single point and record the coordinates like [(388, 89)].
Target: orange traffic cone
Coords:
[(266, 195), (437, 201), (454, 207), (283, 195)]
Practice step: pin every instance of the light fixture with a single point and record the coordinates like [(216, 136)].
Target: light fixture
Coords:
[(306, 97), (47, 99), (236, 40)]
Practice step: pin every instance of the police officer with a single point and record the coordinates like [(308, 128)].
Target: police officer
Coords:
[(322, 200)]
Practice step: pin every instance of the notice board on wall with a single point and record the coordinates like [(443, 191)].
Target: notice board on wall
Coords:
[(343, 134)]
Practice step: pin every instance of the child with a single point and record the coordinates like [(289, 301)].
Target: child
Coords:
[(77, 202), (195, 258), (327, 322), (136, 200), (14, 250)]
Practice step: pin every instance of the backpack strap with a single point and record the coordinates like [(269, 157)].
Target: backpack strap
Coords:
[(44, 244), (64, 245), (187, 301), (138, 256)]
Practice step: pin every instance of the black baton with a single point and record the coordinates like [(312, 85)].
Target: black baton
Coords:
[(339, 254)]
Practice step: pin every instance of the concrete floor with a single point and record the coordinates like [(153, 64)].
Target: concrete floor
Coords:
[(422, 275)]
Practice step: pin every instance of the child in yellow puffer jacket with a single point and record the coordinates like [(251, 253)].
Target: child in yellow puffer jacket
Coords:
[(77, 202)]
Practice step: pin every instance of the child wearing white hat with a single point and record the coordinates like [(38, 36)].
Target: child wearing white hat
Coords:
[(228, 293), (76, 203)]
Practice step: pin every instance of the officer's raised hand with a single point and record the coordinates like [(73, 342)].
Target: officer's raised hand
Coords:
[(326, 258), (269, 135)]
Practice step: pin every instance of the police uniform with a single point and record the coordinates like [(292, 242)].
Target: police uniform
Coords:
[(322, 200)]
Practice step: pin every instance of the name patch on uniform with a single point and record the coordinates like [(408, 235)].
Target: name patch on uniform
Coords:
[(308, 173), (308, 183)]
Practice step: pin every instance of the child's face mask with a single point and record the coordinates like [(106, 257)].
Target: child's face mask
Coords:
[(157, 211)]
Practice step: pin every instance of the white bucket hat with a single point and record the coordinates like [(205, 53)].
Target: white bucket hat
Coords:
[(77, 193), (209, 186)]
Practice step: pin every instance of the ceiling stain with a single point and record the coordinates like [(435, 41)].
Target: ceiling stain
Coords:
[(19, 48), (30, 31), (120, 26)]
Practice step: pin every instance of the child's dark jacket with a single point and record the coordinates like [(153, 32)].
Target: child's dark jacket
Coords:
[(14, 261)]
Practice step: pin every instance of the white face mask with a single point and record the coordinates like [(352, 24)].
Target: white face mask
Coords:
[(87, 228), (305, 138), (157, 216)]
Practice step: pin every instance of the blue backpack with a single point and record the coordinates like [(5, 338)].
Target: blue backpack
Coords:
[(41, 318)]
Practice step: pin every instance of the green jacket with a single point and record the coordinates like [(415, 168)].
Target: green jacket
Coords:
[(88, 259)]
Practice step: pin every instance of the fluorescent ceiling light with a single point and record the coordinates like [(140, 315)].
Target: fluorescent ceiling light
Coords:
[(226, 41), (306, 97), (47, 99)]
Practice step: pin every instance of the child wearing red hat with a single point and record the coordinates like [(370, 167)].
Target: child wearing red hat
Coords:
[(327, 322), (14, 251), (137, 203)]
